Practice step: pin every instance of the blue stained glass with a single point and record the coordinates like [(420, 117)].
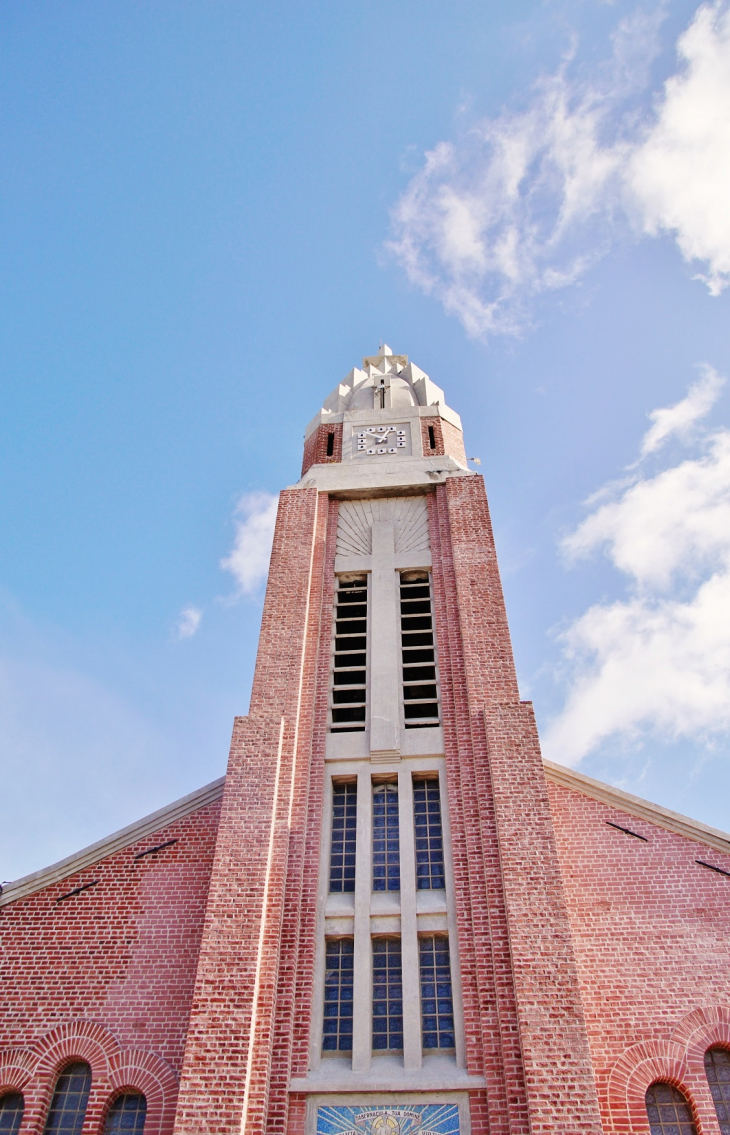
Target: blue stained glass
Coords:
[(387, 995), (338, 983), (437, 1006), (386, 838), (429, 834), (126, 1116), (11, 1112), (68, 1106), (344, 831)]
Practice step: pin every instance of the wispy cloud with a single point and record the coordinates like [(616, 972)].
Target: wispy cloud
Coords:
[(248, 560), (188, 622), (678, 420), (657, 662), (527, 202)]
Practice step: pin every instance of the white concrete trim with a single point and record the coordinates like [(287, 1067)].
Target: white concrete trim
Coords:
[(412, 1033), (103, 848), (362, 992), (636, 806)]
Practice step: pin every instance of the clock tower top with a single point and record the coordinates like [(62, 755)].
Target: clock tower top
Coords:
[(387, 411)]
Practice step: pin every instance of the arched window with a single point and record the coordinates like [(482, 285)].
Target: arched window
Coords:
[(127, 1114), (669, 1111), (68, 1106), (11, 1113), (717, 1067)]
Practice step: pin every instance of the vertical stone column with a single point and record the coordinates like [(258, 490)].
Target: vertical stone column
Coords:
[(561, 1092), (546, 1069), (384, 688), (362, 1034), (412, 1042), (226, 1073)]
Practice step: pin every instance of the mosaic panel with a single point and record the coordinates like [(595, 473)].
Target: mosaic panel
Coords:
[(389, 1119)]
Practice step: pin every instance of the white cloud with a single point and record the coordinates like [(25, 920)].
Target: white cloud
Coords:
[(188, 622), (248, 561), (525, 203), (658, 662), (680, 174), (679, 419)]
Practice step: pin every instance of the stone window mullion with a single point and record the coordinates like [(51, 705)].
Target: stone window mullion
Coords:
[(363, 980), (409, 927)]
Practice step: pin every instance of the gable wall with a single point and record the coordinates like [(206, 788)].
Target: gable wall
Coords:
[(122, 953), (651, 932)]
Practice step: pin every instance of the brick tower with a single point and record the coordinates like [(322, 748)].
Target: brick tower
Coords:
[(386, 944), (384, 920)]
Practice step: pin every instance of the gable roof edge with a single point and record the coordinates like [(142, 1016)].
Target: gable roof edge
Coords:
[(626, 802), (162, 818)]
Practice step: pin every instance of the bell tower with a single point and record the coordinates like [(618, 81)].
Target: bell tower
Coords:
[(386, 945)]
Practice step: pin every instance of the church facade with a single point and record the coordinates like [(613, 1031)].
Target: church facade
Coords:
[(391, 916)]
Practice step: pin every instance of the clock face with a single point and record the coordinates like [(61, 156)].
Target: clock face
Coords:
[(381, 440)]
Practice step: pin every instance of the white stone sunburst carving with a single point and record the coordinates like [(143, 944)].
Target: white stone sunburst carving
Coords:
[(356, 518)]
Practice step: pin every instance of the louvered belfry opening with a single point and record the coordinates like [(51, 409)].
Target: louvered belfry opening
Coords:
[(420, 688), (349, 676)]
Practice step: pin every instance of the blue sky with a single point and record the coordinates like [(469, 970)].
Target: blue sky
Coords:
[(208, 214)]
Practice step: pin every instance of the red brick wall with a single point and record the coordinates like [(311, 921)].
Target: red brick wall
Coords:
[(651, 934), (523, 1018), (255, 957), (122, 954), (315, 447), (449, 440)]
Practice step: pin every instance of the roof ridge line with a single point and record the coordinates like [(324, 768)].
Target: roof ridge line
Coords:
[(636, 806), (45, 876)]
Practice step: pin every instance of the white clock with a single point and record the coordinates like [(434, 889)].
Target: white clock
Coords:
[(380, 440)]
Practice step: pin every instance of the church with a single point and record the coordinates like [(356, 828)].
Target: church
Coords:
[(391, 916)]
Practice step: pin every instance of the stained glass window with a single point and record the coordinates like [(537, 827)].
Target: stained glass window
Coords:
[(669, 1111), (126, 1116), (386, 841), (437, 1006), (717, 1067), (387, 995), (68, 1106), (344, 830), (11, 1113), (339, 972), (428, 833)]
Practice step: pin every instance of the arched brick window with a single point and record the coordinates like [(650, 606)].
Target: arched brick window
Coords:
[(669, 1111), (68, 1106), (126, 1116), (717, 1067), (11, 1113)]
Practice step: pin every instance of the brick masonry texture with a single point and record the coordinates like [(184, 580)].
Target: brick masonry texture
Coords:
[(651, 934), (315, 447), (522, 1008), (118, 958), (449, 440), (243, 1022), (592, 963)]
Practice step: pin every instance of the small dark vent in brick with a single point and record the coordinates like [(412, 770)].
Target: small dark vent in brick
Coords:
[(431, 437), (330, 444), (156, 848), (712, 867), (76, 891), (627, 830)]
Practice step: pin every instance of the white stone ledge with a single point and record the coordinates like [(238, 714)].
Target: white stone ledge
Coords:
[(437, 1074)]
